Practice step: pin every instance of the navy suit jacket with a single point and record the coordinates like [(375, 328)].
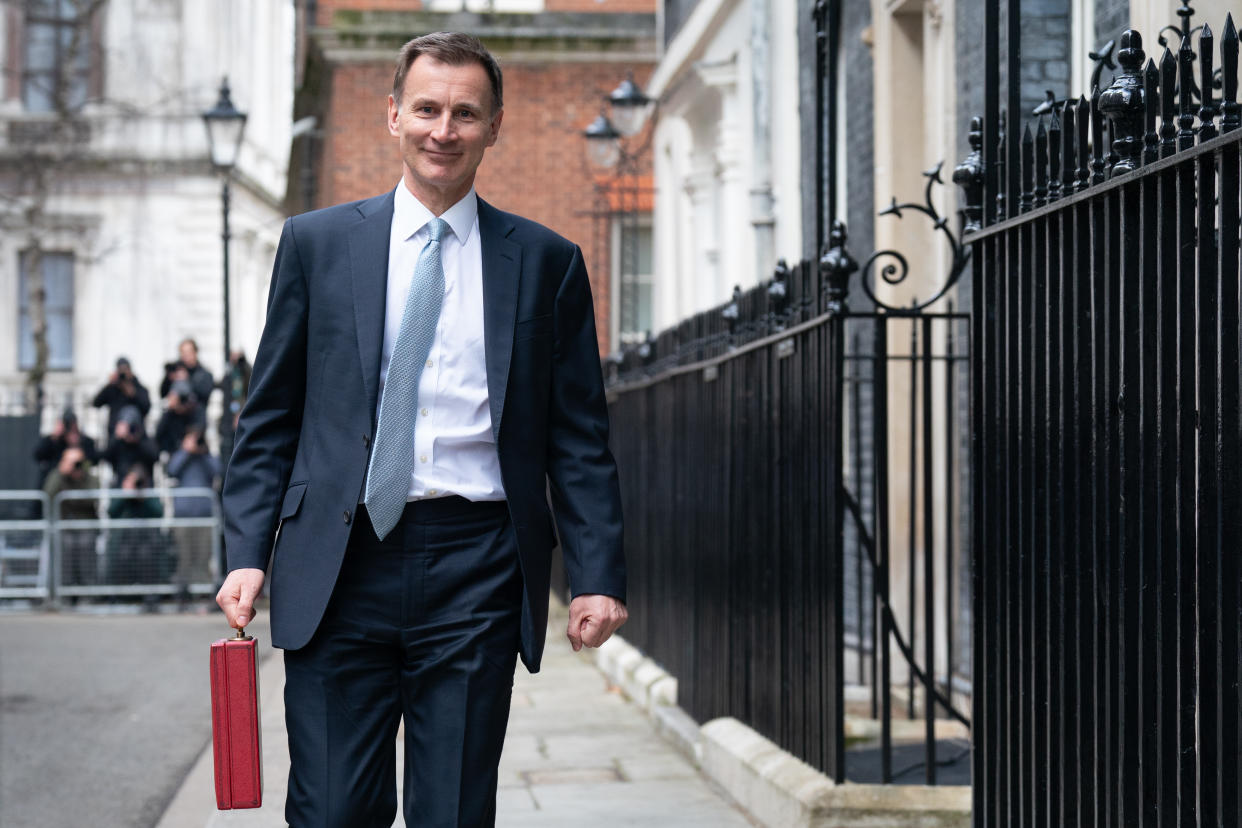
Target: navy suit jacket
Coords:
[(303, 443)]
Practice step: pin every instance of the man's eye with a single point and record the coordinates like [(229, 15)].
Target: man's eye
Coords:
[(465, 114)]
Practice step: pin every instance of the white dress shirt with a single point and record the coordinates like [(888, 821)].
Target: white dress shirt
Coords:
[(454, 451)]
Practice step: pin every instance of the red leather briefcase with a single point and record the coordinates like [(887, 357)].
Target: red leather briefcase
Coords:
[(235, 722)]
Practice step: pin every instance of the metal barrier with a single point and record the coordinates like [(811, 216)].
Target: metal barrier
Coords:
[(134, 544), (25, 544)]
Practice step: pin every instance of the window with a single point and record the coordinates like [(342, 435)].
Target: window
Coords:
[(57, 271), (56, 58), (632, 297)]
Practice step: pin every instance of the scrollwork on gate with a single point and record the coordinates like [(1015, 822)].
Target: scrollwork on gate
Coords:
[(897, 268)]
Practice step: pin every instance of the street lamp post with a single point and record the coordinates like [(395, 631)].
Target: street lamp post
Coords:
[(225, 125), (609, 150)]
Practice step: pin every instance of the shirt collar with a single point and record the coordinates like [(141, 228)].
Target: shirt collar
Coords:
[(409, 215)]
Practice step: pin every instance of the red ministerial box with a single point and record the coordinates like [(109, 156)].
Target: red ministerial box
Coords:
[(235, 735)]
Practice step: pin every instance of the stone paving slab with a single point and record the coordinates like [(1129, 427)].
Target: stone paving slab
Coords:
[(577, 753)]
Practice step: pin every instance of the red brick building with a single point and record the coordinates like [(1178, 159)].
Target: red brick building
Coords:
[(558, 64)]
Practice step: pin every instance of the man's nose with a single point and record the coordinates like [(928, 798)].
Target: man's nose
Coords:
[(443, 129)]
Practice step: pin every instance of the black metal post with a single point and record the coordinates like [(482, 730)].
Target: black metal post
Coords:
[(226, 414), (1013, 101), (224, 237), (992, 152)]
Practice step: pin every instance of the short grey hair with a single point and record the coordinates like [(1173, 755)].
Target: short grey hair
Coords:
[(455, 49)]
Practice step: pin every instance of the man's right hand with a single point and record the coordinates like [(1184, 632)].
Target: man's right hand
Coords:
[(236, 597)]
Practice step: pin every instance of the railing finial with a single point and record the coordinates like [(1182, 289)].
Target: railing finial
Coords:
[(836, 266), (731, 313), (969, 176), (1186, 90), (1122, 103), (1207, 107), (778, 297), (1231, 110)]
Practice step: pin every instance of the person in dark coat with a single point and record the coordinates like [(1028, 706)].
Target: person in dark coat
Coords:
[(65, 434), (412, 595), (73, 472), (130, 445), (187, 367), (136, 554), (236, 381), (184, 410), (122, 391), (194, 467)]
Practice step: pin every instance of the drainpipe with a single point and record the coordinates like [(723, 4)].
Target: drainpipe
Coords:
[(761, 202)]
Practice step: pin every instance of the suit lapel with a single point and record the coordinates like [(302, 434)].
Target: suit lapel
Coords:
[(502, 267), (368, 260)]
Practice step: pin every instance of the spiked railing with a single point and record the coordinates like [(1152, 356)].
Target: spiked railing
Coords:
[(1150, 111)]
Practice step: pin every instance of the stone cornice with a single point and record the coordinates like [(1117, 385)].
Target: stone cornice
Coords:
[(98, 173), (561, 37)]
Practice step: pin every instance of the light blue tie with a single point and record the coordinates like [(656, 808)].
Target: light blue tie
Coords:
[(392, 454)]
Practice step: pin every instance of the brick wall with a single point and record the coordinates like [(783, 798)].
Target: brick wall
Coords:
[(537, 168)]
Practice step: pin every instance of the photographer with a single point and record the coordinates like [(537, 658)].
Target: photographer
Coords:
[(66, 434), (129, 445), (122, 391), (73, 471), (194, 467), (189, 369), (184, 410)]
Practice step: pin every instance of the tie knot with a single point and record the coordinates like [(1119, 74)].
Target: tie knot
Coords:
[(436, 227)]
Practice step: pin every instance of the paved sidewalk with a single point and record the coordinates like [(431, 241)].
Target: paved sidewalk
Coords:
[(577, 753)]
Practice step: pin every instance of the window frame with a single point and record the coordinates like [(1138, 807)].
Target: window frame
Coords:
[(641, 221), (60, 361), (84, 81)]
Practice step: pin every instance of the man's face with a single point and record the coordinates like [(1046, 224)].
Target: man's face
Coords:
[(189, 354), (444, 121)]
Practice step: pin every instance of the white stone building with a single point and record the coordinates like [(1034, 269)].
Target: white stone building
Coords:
[(131, 225), (727, 153)]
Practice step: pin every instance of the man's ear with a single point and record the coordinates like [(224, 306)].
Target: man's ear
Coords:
[(496, 128), (394, 115)]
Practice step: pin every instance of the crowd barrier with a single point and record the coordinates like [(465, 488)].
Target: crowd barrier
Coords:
[(109, 543), (25, 544)]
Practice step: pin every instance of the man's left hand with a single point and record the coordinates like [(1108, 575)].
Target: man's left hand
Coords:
[(593, 619)]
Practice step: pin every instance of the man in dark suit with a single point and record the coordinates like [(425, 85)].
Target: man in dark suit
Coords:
[(428, 373)]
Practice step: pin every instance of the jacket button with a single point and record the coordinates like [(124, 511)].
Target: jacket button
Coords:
[(347, 517), (366, 440)]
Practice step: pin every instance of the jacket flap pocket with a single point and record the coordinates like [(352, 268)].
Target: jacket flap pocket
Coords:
[(536, 326), (293, 500)]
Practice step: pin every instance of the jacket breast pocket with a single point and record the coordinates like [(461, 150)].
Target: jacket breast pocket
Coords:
[(537, 327), (293, 500)]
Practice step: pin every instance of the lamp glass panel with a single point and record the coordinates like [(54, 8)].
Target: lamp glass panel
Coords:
[(629, 119), (603, 153), (225, 136)]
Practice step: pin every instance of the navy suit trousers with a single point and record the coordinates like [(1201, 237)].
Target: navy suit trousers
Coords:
[(422, 626)]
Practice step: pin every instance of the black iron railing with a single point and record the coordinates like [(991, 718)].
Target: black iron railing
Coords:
[(1108, 444), (725, 444), (760, 444)]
